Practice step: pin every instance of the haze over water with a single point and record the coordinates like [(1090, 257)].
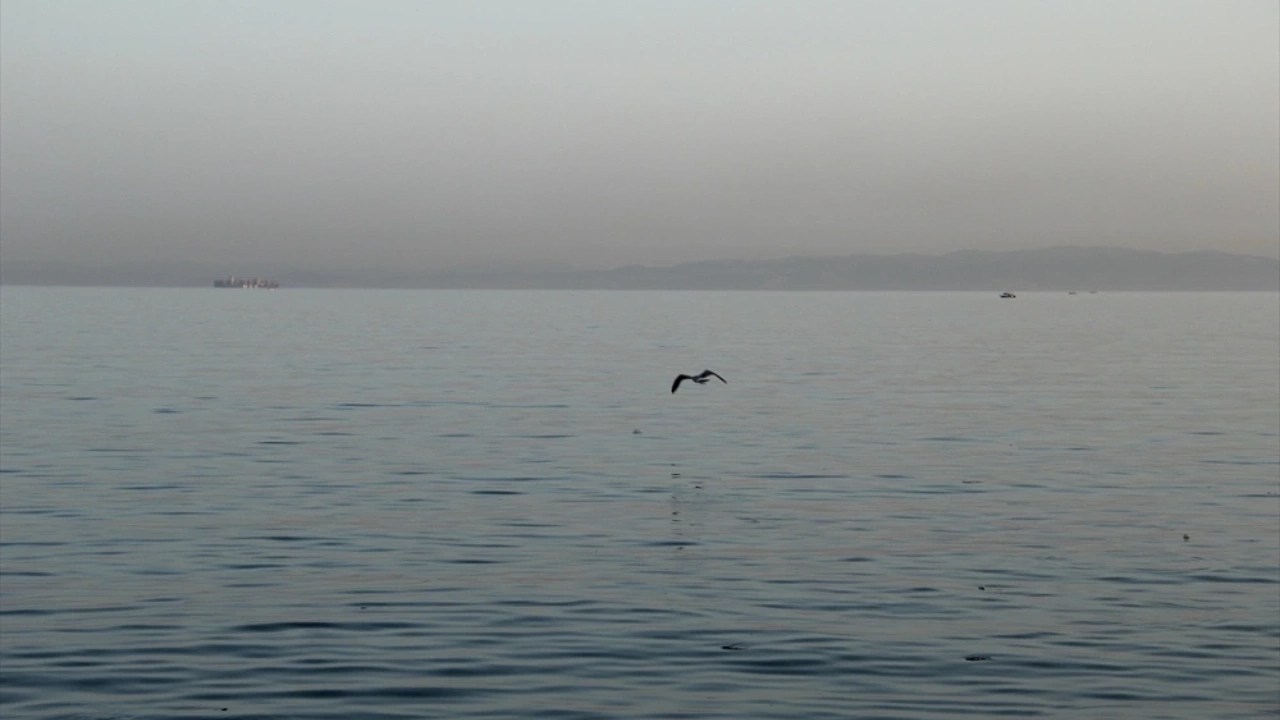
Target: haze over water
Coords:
[(157, 142), (464, 504)]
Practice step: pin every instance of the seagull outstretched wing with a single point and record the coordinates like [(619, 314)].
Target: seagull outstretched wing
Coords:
[(701, 378)]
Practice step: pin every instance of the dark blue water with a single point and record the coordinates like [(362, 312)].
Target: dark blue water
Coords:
[(439, 504)]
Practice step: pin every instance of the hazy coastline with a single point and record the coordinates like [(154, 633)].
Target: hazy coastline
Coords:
[(1049, 269)]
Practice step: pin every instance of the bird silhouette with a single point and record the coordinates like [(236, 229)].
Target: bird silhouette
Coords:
[(701, 378)]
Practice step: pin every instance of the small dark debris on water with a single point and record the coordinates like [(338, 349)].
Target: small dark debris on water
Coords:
[(1186, 538), (636, 432), (977, 658), (982, 587), (734, 646)]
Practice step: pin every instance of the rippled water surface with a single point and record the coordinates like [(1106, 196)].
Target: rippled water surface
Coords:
[(450, 504)]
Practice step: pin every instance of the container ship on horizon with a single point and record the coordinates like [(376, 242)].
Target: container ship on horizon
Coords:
[(252, 283)]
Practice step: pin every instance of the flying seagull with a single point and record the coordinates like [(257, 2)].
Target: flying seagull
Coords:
[(701, 378)]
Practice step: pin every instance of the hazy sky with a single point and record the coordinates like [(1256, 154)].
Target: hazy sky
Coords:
[(424, 134)]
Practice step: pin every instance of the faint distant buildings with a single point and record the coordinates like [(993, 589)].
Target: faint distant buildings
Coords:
[(232, 281)]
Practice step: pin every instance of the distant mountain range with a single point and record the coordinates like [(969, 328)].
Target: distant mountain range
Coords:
[(1060, 268), (1050, 269)]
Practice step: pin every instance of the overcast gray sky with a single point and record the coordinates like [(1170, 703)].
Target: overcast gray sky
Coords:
[(426, 134)]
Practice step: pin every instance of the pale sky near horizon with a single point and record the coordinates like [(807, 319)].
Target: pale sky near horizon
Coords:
[(421, 135)]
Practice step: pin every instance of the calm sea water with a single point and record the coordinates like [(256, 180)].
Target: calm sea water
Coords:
[(451, 504)]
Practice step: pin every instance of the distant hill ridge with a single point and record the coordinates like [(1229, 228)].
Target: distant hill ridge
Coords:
[(1050, 269), (1054, 269)]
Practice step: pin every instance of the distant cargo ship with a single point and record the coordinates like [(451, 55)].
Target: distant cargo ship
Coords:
[(254, 283)]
